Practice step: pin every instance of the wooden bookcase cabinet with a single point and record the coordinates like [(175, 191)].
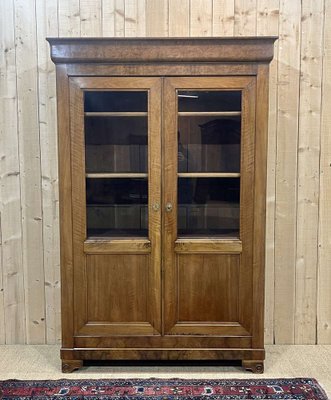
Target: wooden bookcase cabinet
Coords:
[(162, 166)]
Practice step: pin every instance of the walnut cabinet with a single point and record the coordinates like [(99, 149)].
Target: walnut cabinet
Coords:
[(162, 168)]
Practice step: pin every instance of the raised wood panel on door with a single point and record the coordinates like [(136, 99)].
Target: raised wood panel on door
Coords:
[(108, 278), (208, 287), (209, 290), (118, 293), (116, 284)]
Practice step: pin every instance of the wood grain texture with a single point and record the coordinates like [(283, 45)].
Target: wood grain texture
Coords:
[(69, 18), (268, 24), (90, 300), (169, 195), (324, 233), (65, 207), (108, 18), (223, 21), (69, 25), (260, 181), (166, 341), (157, 18), (13, 307), (308, 172), (90, 17), (135, 18), (119, 18), (250, 107), (117, 246), (30, 170), (245, 17), (223, 17), (109, 50), (163, 354), (157, 70), (113, 18), (286, 171), (47, 24), (204, 246), (174, 277), (108, 278), (78, 202), (179, 18), (208, 288), (201, 16)]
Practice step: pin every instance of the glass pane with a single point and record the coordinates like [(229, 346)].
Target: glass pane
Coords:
[(209, 138), (115, 101), (208, 206), (209, 144), (117, 207), (116, 139), (209, 100), (116, 144)]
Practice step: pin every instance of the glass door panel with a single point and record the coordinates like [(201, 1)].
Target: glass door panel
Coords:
[(208, 206), (209, 139), (116, 163)]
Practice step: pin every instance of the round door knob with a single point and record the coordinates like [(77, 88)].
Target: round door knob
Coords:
[(168, 207)]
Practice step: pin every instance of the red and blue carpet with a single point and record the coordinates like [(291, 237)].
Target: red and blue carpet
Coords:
[(164, 389)]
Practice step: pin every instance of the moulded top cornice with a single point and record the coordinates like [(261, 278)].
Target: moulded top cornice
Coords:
[(162, 50)]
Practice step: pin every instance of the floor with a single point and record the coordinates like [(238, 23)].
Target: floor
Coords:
[(42, 362)]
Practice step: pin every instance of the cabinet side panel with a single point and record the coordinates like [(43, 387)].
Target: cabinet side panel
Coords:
[(78, 202), (260, 206), (247, 205), (65, 205)]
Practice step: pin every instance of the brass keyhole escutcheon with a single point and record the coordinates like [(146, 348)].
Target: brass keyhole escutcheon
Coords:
[(168, 207), (156, 207)]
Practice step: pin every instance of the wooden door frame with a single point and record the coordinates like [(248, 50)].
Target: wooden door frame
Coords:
[(82, 246), (172, 245)]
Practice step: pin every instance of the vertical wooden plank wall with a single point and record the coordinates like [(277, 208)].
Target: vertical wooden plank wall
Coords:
[(298, 275), (30, 169), (286, 169), (267, 24), (324, 226), (308, 172), (12, 288), (48, 25)]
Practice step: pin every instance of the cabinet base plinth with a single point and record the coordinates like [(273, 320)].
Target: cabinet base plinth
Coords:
[(255, 366), (69, 366), (252, 359)]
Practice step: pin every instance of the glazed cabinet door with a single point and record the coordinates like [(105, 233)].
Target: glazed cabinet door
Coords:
[(116, 195), (209, 134)]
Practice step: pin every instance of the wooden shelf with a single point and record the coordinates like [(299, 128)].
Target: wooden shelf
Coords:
[(115, 114), (209, 113), (208, 175), (99, 175)]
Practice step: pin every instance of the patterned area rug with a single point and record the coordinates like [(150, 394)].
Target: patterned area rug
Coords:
[(164, 389)]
